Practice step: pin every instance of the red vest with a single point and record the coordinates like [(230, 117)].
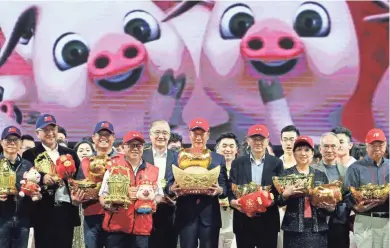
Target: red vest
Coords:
[(127, 220), (96, 208)]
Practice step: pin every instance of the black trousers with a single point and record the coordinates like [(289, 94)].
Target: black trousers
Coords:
[(338, 235), (163, 234), (259, 237), (55, 229), (208, 236), (125, 240)]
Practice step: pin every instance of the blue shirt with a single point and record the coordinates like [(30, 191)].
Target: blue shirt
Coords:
[(257, 169)]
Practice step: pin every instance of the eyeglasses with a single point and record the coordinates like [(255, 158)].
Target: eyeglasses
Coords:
[(292, 139), (132, 146), (332, 147), (14, 140), (258, 139), (377, 146), (158, 133)]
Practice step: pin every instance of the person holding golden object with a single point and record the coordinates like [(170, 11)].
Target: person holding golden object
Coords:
[(58, 204), (363, 178), (304, 225), (125, 227), (89, 178), (198, 214), (15, 214)]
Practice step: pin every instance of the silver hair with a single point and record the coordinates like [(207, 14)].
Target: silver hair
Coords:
[(328, 134), (157, 122)]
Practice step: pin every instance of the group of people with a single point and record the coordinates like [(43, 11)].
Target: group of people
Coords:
[(192, 221)]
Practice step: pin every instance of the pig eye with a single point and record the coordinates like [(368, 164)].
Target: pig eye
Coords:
[(312, 20), (236, 20), (142, 26), (70, 50)]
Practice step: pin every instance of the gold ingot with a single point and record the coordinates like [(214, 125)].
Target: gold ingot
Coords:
[(245, 189), (7, 179), (195, 179), (118, 187), (330, 194), (44, 164), (305, 182), (97, 167), (194, 157), (371, 193)]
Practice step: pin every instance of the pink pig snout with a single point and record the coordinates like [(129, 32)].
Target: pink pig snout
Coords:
[(115, 54), (145, 193), (271, 40)]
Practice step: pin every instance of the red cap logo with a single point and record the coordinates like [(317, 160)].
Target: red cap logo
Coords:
[(47, 119), (12, 130), (105, 125)]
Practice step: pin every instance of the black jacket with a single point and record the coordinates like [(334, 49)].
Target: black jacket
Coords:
[(241, 173), (47, 202), (16, 205)]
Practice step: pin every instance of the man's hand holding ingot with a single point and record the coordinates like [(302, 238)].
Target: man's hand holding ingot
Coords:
[(48, 180), (77, 197), (235, 204), (3, 198), (175, 188), (328, 207), (364, 207), (169, 201), (216, 189)]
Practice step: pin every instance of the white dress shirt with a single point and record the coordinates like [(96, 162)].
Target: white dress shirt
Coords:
[(160, 161), (62, 193)]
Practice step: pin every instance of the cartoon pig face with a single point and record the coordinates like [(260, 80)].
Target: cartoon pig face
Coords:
[(310, 46), (33, 175), (145, 192), (86, 48)]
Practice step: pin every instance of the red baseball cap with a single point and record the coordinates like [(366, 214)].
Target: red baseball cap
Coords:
[(375, 134), (258, 130), (133, 135), (199, 123), (304, 140)]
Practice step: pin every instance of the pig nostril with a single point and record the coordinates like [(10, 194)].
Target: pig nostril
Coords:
[(286, 43), (102, 62), (130, 52), (255, 44)]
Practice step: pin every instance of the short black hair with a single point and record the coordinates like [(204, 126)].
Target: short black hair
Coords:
[(290, 128), (118, 142), (226, 136), (175, 137), (88, 138), (27, 137), (317, 153), (358, 150), (62, 130), (343, 130)]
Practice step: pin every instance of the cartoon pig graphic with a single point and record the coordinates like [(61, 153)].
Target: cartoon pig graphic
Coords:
[(86, 53), (282, 62)]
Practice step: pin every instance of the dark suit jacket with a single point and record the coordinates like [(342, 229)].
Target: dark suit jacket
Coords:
[(241, 173), (207, 208), (47, 202), (165, 213)]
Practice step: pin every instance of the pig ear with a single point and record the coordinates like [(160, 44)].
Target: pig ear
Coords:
[(183, 7), (22, 32)]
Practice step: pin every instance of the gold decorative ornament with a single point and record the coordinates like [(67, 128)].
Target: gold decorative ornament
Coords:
[(245, 189), (190, 157), (330, 194), (92, 184), (224, 202), (44, 164), (371, 193), (118, 187), (7, 179), (304, 182)]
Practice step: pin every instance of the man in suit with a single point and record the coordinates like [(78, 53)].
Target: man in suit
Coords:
[(338, 234), (55, 216), (198, 217), (163, 233), (258, 167)]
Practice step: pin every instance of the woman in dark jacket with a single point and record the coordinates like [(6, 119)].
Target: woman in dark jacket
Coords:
[(304, 226)]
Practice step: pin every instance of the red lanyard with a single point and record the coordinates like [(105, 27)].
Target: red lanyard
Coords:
[(373, 175)]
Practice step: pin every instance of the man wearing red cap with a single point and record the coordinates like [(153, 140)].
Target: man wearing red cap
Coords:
[(372, 219), (258, 167), (198, 217), (125, 227)]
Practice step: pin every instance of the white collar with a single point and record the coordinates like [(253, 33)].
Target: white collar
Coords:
[(49, 149), (163, 155)]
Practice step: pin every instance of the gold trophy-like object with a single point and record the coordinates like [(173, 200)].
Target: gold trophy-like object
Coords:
[(7, 179), (306, 182), (118, 187), (371, 193), (44, 164), (192, 175)]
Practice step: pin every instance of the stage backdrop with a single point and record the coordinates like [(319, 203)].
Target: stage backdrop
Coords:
[(315, 64)]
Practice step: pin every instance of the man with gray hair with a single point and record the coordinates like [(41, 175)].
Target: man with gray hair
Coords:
[(338, 233), (163, 234)]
